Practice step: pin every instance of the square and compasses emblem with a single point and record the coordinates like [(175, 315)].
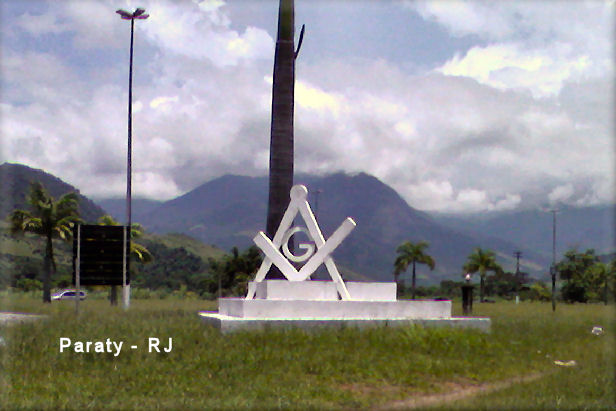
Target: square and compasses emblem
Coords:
[(312, 258)]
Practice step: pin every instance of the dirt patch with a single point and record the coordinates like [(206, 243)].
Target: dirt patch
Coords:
[(367, 390), (455, 392)]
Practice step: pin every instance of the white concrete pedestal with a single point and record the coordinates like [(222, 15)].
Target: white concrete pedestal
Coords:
[(321, 290), (310, 304)]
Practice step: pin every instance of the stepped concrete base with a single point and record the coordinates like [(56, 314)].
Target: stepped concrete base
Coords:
[(308, 309), (315, 304), (226, 323), (321, 290)]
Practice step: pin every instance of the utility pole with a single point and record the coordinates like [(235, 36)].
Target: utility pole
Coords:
[(553, 266), (517, 254)]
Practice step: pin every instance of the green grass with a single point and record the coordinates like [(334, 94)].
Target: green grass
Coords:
[(334, 369)]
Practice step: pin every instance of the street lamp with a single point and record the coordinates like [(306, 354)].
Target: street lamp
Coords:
[(139, 13)]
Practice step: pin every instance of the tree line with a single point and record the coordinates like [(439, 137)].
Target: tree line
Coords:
[(584, 277)]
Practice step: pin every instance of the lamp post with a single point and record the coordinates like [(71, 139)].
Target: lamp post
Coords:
[(517, 254), (139, 13)]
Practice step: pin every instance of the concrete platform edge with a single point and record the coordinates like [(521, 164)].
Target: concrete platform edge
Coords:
[(227, 324)]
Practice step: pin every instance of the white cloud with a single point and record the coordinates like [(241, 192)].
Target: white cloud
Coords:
[(472, 137), (38, 24), (510, 202), (312, 98), (210, 5), (441, 196), (464, 17), (35, 76), (464, 146), (156, 185), (202, 32), (430, 194), (532, 45), (507, 66), (163, 102), (95, 24), (471, 199), (536, 22)]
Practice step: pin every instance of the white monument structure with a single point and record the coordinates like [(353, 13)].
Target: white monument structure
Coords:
[(299, 301)]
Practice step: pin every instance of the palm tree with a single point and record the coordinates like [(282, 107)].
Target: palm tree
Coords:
[(234, 271), (136, 230), (50, 219), (409, 253), (482, 261), (137, 250), (281, 140)]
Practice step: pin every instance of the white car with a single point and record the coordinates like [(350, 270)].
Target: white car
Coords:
[(68, 295)]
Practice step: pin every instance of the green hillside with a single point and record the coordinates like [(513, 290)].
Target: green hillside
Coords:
[(178, 259), (194, 246), (15, 182)]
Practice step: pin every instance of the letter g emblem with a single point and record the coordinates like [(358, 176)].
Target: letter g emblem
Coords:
[(304, 246)]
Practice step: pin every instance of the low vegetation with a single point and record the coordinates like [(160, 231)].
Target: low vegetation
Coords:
[(586, 277), (332, 369)]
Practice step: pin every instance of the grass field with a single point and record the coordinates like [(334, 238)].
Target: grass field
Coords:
[(510, 368)]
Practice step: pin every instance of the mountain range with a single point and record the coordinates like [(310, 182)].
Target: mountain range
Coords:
[(15, 180), (229, 210), (580, 228)]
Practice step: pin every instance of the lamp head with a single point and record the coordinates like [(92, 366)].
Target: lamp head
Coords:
[(124, 14), (137, 14)]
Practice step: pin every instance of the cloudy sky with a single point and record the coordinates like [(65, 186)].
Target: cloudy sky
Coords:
[(460, 106)]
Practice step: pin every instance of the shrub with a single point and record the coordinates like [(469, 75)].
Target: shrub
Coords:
[(539, 292), (28, 284)]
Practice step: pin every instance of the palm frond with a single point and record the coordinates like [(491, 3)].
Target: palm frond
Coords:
[(17, 220), (34, 225), (69, 220), (427, 260), (38, 196), (142, 253), (136, 230), (67, 205), (107, 220), (64, 231)]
